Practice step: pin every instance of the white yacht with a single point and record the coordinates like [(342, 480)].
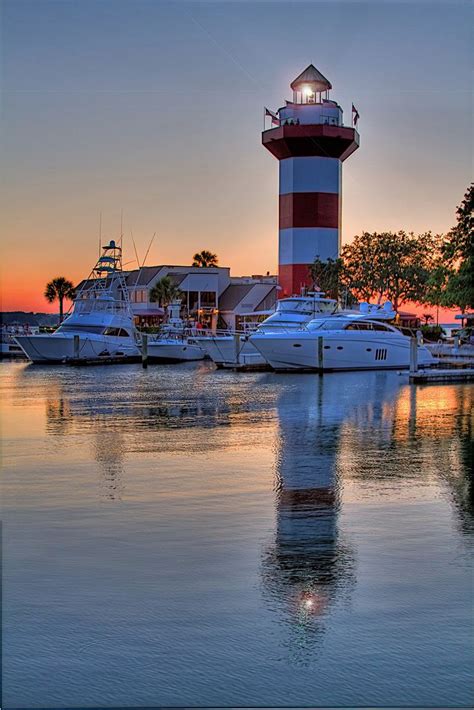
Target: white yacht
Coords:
[(174, 342), (229, 350), (344, 341), (101, 323)]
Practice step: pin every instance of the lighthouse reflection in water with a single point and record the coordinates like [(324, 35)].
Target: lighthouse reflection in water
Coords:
[(309, 568)]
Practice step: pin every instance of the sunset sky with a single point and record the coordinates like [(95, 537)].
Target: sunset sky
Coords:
[(156, 108)]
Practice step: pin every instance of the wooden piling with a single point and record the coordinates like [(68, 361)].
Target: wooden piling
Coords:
[(413, 355), (236, 348), (320, 353), (144, 350), (76, 347)]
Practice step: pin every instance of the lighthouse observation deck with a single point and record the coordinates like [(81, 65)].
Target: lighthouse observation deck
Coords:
[(311, 129), (311, 124)]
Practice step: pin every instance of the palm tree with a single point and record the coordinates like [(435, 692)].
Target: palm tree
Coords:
[(164, 292), (59, 288), (205, 258), (427, 317)]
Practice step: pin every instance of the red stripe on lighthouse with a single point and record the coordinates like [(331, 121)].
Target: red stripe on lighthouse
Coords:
[(309, 209), (292, 277)]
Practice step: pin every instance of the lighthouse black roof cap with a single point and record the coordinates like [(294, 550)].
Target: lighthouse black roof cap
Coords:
[(313, 77)]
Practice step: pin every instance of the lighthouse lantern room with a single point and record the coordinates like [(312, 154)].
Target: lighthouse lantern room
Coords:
[(310, 142)]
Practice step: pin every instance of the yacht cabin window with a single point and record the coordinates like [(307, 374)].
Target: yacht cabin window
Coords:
[(80, 329), (117, 332)]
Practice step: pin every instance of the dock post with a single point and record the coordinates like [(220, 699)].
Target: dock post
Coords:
[(236, 347), (144, 350), (76, 347), (413, 355), (456, 343), (320, 353)]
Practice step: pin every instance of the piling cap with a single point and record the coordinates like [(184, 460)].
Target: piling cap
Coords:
[(313, 78)]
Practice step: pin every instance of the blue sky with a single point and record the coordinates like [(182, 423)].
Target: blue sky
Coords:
[(157, 109)]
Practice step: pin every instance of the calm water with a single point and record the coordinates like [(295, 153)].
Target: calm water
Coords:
[(183, 536)]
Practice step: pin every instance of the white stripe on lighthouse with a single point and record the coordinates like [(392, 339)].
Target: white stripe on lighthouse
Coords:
[(310, 174), (303, 245)]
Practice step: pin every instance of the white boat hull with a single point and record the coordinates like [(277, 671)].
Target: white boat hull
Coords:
[(60, 348), (339, 352), (11, 349), (177, 351), (226, 351)]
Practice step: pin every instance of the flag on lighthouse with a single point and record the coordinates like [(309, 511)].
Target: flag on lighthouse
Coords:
[(273, 116), (355, 115)]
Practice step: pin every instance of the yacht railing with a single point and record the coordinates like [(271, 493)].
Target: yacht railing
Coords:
[(97, 305)]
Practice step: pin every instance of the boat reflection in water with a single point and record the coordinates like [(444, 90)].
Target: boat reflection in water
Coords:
[(107, 444)]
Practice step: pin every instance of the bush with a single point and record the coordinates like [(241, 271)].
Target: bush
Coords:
[(432, 332)]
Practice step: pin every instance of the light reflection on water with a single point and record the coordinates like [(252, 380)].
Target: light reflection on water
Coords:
[(181, 536)]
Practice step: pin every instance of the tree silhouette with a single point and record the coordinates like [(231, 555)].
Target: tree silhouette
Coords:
[(59, 288), (164, 292), (205, 258)]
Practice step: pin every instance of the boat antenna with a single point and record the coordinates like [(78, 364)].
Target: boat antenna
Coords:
[(100, 232), (135, 249), (121, 227), (149, 247), (140, 267)]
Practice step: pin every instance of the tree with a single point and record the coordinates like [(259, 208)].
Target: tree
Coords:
[(458, 252), (326, 276), (59, 288), (164, 292), (395, 266), (427, 317), (205, 258)]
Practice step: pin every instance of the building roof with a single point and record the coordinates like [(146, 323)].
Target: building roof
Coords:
[(268, 298), (176, 277), (148, 275), (232, 296), (143, 276), (313, 77)]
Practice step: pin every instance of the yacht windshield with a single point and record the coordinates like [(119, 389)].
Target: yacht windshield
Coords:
[(329, 324), (345, 324), (293, 306), (80, 329)]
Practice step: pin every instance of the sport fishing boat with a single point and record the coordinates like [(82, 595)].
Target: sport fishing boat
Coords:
[(174, 342), (345, 341), (101, 323), (229, 350)]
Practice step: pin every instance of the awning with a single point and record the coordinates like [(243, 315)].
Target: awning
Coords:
[(149, 312)]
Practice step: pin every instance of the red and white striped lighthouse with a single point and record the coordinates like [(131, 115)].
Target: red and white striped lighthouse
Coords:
[(310, 142)]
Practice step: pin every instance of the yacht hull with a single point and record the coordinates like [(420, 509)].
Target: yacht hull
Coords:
[(60, 348), (174, 352), (227, 351), (303, 352)]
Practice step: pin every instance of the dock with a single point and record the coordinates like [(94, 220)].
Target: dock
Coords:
[(455, 374), (106, 360)]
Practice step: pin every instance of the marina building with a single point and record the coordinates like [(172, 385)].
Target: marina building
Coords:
[(210, 295)]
